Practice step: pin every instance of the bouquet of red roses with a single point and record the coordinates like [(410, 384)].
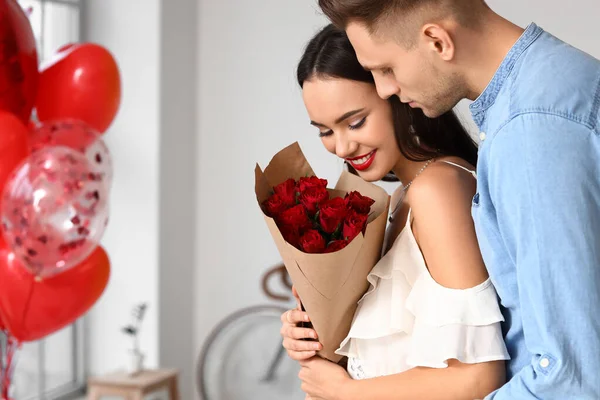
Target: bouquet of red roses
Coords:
[(329, 239), (313, 222)]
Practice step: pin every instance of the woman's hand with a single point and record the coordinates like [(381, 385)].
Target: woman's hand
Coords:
[(322, 379), (297, 348)]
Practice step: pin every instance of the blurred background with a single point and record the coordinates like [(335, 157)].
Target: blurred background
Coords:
[(209, 90)]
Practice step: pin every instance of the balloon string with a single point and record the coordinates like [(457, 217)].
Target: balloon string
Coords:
[(2, 368), (12, 346)]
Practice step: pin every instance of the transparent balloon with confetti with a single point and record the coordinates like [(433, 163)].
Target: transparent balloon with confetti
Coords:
[(54, 210), (76, 135)]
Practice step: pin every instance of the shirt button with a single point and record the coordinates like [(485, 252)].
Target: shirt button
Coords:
[(482, 136), (544, 362)]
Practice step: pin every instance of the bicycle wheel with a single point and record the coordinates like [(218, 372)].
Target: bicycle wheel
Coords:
[(242, 359)]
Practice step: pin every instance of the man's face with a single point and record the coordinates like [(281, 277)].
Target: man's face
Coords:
[(416, 74)]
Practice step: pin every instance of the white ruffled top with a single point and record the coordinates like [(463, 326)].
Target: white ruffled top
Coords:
[(406, 319)]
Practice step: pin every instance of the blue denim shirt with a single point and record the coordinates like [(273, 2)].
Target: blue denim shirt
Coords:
[(537, 215)]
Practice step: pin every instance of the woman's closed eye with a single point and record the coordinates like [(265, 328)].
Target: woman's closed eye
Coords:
[(358, 124)]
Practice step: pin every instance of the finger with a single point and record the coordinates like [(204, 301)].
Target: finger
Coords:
[(302, 374), (305, 387), (301, 355), (294, 317), (304, 364), (292, 332), (301, 345)]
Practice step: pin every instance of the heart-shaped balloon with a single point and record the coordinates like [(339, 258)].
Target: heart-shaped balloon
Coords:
[(82, 81), (31, 309), (18, 61), (14, 146)]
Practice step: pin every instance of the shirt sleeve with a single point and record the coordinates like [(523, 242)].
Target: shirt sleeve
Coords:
[(544, 176)]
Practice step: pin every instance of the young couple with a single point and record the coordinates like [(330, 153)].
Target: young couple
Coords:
[(490, 282)]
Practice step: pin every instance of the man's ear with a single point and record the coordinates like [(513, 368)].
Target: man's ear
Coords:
[(437, 39)]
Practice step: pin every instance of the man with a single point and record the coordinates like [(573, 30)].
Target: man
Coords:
[(537, 211)]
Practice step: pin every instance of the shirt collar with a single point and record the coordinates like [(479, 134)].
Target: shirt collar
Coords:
[(488, 96)]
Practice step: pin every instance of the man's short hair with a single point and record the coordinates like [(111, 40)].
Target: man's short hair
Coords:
[(379, 16)]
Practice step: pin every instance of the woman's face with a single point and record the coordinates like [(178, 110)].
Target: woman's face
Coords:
[(354, 123)]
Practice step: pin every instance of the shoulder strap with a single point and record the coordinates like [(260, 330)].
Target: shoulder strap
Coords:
[(474, 173)]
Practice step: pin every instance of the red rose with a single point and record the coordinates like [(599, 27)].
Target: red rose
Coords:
[(287, 191), (274, 205), (335, 246), (291, 235), (311, 182), (294, 218), (312, 197), (331, 214), (353, 225), (359, 203), (312, 242)]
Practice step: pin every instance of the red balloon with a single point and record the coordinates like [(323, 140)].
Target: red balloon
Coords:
[(82, 82), (31, 309), (31, 125), (14, 146), (18, 61)]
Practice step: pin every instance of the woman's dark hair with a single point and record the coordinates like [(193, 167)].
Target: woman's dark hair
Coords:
[(330, 54)]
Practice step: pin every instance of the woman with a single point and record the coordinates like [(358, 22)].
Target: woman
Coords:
[(429, 326)]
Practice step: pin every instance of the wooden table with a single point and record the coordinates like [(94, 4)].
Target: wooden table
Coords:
[(134, 387)]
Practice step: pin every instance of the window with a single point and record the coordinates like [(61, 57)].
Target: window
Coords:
[(54, 23), (54, 367)]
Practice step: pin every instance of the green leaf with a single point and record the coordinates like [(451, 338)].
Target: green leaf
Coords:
[(338, 231)]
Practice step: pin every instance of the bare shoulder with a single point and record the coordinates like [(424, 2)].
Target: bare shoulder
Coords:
[(440, 200), (441, 178)]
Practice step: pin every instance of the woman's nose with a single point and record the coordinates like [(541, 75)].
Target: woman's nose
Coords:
[(343, 147)]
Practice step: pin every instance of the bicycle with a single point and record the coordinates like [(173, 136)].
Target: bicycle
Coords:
[(232, 364)]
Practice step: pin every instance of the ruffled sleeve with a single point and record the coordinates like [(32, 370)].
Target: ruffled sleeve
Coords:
[(454, 324)]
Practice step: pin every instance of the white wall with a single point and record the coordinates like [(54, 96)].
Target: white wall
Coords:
[(130, 30), (574, 22), (151, 236), (250, 107)]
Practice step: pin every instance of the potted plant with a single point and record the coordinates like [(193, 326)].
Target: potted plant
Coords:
[(136, 364)]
